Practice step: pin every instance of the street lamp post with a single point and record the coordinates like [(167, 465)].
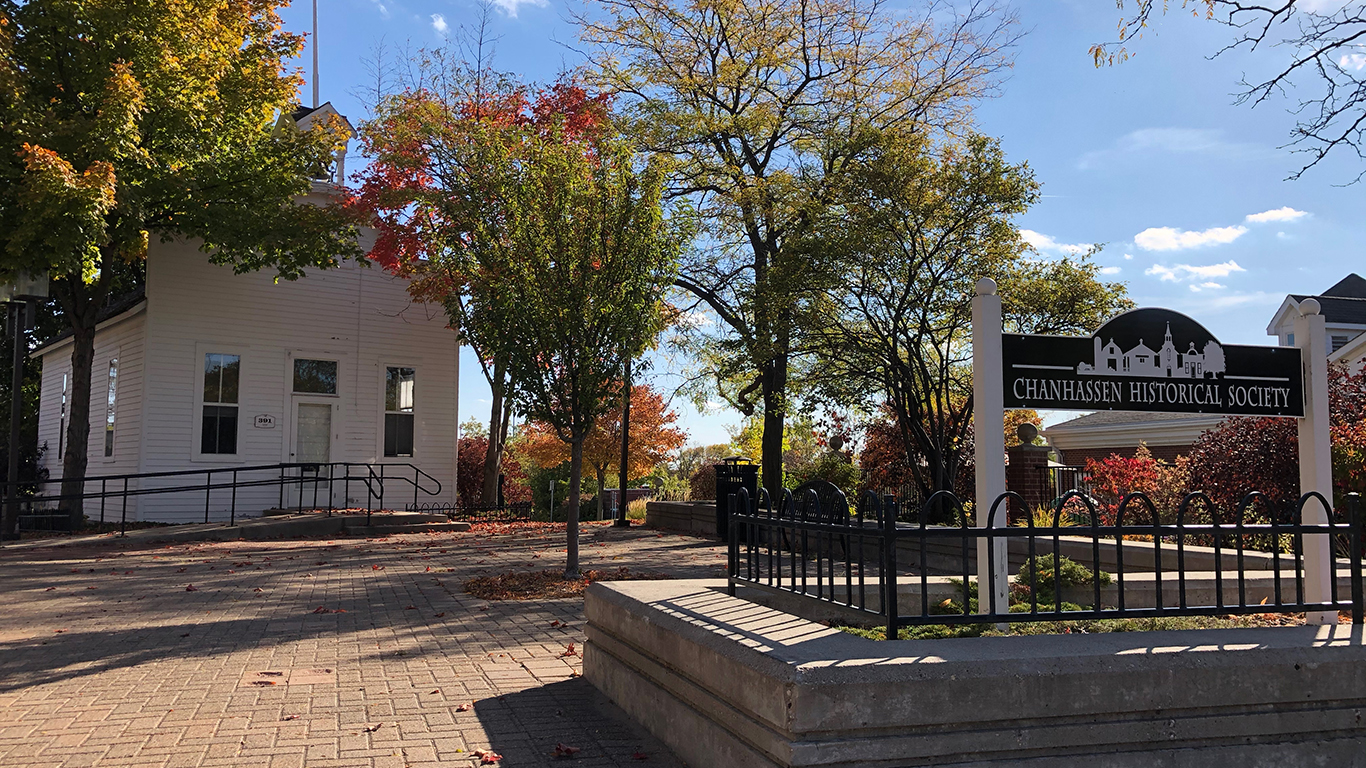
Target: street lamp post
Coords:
[(20, 297), (622, 521)]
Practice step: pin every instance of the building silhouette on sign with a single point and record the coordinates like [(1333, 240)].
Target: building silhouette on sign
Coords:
[(1164, 363)]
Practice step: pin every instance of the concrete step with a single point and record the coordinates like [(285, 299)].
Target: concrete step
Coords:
[(386, 529)]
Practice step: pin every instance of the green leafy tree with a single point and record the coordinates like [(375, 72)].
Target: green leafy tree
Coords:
[(587, 254), (438, 149), (551, 229), (120, 121), (913, 230), (766, 107)]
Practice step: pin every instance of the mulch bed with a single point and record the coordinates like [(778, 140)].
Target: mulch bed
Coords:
[(547, 585)]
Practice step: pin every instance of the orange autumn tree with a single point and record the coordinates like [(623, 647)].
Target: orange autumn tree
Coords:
[(653, 438)]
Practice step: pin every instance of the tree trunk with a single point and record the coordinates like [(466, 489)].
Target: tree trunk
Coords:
[(78, 418), (81, 305), (493, 457), (774, 391), (571, 566)]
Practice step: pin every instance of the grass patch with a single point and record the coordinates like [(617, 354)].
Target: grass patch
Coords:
[(1080, 626), (549, 584)]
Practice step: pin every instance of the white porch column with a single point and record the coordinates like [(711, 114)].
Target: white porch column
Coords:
[(1316, 460), (989, 441)]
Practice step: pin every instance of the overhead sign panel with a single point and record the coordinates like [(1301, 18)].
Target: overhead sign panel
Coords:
[(1151, 360)]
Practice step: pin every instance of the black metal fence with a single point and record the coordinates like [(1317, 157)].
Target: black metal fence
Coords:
[(812, 544), (301, 486), (516, 512), (1060, 479)]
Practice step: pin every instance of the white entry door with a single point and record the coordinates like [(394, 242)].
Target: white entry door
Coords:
[(312, 433)]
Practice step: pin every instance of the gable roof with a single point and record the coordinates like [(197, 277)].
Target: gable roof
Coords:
[(1344, 303), (1352, 286), (127, 305)]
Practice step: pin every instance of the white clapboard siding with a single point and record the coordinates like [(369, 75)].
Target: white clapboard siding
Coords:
[(120, 338), (359, 316)]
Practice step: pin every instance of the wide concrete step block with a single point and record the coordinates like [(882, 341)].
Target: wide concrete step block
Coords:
[(728, 682)]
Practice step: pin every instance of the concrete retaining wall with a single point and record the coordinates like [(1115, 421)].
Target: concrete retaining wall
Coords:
[(697, 518), (726, 682)]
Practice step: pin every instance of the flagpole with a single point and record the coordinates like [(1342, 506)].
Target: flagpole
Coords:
[(315, 53)]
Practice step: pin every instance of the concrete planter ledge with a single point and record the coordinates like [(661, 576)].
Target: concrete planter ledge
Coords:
[(727, 682)]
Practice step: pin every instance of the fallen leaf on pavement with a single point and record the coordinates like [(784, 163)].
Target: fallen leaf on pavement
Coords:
[(289, 717), (564, 750), (487, 756), (638, 755), (191, 588), (569, 651), (463, 708), (373, 728)]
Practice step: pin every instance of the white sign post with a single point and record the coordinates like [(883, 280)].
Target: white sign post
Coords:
[(988, 407), (1316, 460)]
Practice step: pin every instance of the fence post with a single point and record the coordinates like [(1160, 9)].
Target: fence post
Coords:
[(1354, 541), (732, 548), (232, 510), (123, 517), (208, 491), (1316, 461), (889, 592), (988, 402)]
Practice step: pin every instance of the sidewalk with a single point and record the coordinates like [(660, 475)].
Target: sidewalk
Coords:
[(343, 652)]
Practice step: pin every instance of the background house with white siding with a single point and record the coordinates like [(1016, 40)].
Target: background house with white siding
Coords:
[(208, 369)]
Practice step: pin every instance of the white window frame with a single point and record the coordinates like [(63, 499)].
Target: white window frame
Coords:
[(115, 361), (197, 415), (379, 418), (61, 417), (323, 356), (292, 399)]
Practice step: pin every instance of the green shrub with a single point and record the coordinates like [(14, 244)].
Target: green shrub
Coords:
[(1046, 580)]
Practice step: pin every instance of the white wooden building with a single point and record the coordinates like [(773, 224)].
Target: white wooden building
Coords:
[(213, 370)]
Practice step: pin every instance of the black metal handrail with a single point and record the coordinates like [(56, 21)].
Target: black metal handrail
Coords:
[(285, 476), (512, 512), (831, 555)]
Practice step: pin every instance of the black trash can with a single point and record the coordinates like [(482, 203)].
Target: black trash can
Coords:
[(732, 475)]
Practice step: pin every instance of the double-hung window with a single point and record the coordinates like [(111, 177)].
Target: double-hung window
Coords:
[(218, 424), (398, 411)]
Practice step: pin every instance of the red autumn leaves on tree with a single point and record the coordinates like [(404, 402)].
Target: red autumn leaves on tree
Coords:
[(411, 197)]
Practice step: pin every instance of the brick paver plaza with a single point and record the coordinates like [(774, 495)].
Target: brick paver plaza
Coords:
[(343, 652)]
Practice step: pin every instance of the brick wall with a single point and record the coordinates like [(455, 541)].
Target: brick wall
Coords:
[(1025, 476)]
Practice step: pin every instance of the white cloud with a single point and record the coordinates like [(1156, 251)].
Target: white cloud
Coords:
[(1146, 142), (1127, 256), (1042, 242), (439, 24), (1285, 213), (510, 7), (1182, 272), (1109, 270), (1172, 239), (1198, 287), (1355, 61)]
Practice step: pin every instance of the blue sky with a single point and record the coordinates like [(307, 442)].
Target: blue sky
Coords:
[(1186, 190)]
